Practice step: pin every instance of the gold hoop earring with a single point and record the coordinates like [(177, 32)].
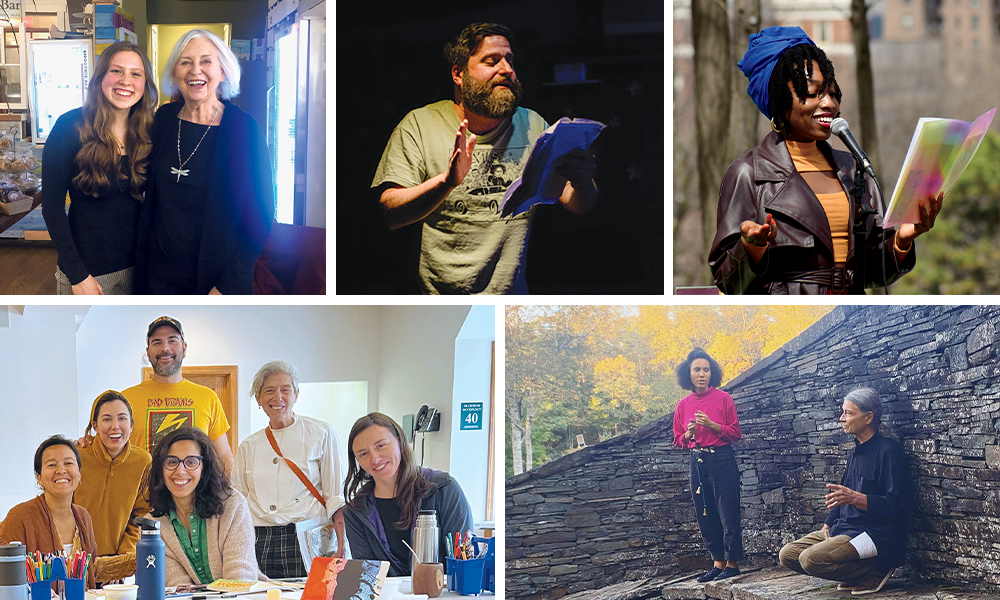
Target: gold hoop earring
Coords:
[(776, 125)]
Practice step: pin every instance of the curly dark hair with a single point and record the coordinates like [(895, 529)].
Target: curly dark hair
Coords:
[(467, 42), (795, 65), (56, 440), (684, 370), (411, 487), (213, 488)]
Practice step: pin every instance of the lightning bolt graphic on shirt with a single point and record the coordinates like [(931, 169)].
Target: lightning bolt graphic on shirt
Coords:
[(170, 422)]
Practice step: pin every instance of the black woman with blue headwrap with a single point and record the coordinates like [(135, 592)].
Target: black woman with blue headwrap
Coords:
[(785, 215)]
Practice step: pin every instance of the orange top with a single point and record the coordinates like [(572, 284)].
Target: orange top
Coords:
[(808, 159)]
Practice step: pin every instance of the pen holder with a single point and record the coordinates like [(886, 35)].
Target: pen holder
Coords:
[(465, 576), (74, 588), (490, 566)]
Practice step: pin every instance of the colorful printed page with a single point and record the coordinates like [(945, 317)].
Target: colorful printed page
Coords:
[(343, 579), (939, 151)]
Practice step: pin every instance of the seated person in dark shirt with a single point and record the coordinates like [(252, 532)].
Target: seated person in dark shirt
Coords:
[(864, 537)]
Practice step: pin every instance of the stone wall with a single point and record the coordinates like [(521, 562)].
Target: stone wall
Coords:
[(621, 510)]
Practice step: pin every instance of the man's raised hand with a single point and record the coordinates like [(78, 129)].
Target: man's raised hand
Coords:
[(461, 157)]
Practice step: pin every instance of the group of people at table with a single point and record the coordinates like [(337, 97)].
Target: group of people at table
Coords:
[(160, 448)]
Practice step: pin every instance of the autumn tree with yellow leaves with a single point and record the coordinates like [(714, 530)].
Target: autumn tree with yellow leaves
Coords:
[(601, 371)]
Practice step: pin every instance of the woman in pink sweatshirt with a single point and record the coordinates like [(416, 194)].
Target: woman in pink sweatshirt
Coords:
[(705, 423)]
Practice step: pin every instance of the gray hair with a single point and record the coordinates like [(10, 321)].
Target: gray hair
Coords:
[(272, 368), (229, 88), (867, 400)]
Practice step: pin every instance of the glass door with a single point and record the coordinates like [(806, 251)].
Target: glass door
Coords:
[(283, 116)]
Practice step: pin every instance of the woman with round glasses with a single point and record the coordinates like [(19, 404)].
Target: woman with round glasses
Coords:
[(205, 523)]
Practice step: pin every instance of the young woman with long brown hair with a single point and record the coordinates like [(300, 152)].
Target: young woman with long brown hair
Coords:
[(99, 154), (385, 489)]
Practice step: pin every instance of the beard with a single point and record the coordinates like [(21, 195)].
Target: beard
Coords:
[(167, 370), (489, 100)]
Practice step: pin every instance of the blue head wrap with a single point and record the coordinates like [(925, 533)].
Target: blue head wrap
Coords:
[(757, 64)]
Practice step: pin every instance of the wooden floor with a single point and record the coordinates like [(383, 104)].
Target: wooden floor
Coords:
[(27, 270)]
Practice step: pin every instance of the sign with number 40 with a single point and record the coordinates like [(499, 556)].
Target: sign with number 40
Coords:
[(472, 415)]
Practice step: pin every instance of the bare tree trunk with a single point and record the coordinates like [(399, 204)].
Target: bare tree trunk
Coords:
[(515, 447), (866, 89), (528, 457), (713, 91), (743, 126)]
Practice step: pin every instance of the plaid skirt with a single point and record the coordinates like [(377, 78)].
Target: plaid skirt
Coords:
[(278, 552), (116, 283)]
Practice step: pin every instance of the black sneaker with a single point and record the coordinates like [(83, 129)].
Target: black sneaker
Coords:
[(712, 574), (728, 572)]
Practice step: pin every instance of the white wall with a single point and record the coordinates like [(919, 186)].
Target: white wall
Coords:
[(325, 343), (417, 367), (37, 394), (473, 367)]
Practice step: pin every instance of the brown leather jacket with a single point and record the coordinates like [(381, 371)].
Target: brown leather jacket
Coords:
[(800, 259)]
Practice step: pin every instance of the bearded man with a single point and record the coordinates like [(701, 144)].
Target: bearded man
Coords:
[(436, 169), (168, 401)]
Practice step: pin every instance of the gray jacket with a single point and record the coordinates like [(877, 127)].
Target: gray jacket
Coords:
[(366, 533)]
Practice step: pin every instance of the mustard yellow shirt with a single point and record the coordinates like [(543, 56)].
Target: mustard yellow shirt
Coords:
[(160, 408), (807, 158)]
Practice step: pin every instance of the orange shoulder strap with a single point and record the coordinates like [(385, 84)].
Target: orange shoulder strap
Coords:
[(295, 468)]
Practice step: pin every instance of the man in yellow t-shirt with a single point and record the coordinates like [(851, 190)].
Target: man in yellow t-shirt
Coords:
[(168, 401)]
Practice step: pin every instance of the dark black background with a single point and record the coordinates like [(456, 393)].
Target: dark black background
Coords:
[(388, 61)]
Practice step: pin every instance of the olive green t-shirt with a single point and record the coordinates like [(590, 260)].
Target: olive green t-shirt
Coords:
[(465, 247)]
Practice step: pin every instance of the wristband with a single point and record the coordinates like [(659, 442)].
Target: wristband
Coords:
[(895, 244), (749, 243)]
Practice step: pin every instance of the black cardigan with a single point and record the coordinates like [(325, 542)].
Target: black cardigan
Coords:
[(241, 202)]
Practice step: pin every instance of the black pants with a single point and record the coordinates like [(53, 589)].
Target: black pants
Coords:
[(717, 506)]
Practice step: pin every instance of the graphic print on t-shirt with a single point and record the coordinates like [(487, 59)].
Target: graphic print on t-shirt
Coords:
[(491, 173), (160, 422)]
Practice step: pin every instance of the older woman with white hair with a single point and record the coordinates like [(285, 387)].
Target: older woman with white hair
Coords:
[(210, 201), (290, 471)]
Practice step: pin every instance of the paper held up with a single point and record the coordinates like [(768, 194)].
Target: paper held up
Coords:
[(939, 151), (539, 183)]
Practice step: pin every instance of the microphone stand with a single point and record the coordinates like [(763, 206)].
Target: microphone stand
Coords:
[(861, 213)]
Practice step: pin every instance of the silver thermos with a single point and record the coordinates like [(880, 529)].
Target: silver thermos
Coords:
[(13, 575), (426, 538)]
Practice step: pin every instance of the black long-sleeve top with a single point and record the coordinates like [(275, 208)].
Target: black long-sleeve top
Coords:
[(877, 468), (98, 236), (239, 202)]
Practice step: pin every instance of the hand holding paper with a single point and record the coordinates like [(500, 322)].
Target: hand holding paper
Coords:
[(939, 152), (560, 154)]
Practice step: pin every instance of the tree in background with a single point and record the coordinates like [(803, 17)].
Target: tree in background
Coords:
[(866, 88), (602, 371)]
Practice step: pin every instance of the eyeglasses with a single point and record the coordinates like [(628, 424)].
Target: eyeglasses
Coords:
[(191, 463)]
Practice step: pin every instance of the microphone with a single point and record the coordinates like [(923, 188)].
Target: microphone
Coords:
[(840, 129)]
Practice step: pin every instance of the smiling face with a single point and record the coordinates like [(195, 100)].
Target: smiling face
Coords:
[(809, 120), (377, 452), (198, 72), (165, 350), (182, 482), (701, 374), (853, 420), (489, 83), (277, 396), (125, 81), (60, 472), (114, 426)]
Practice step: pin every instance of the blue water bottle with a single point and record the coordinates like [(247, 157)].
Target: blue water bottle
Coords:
[(150, 567)]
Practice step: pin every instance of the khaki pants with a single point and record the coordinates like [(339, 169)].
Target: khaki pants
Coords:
[(826, 557)]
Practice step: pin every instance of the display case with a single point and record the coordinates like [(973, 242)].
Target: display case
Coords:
[(59, 73)]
